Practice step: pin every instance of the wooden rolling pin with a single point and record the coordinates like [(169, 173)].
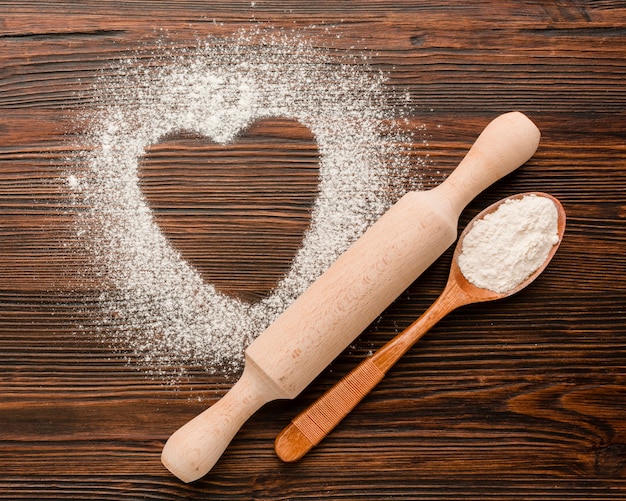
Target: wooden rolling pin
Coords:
[(351, 294)]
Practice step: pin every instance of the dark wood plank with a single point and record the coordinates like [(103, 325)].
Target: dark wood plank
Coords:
[(523, 399)]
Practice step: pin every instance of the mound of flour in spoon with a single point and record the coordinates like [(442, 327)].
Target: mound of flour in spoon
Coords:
[(505, 247), (155, 305)]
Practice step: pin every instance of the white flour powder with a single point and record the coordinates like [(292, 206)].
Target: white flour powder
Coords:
[(505, 247), (156, 305)]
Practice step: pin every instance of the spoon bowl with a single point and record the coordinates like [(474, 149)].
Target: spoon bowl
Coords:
[(312, 425), (475, 294)]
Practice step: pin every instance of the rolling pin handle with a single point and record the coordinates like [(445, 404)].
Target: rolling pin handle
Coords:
[(195, 448), (507, 142)]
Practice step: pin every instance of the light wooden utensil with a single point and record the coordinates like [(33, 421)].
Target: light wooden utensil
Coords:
[(312, 425), (346, 298)]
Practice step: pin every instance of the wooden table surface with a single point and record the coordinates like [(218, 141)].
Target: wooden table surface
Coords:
[(520, 399)]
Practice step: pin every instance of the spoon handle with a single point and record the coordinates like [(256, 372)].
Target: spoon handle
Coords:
[(311, 426)]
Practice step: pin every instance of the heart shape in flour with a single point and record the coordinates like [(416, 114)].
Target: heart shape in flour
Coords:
[(156, 303), (236, 212)]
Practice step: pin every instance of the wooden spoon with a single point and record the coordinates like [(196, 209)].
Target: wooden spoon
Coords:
[(311, 426)]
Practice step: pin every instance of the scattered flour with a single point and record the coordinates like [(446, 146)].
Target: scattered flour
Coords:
[(507, 246), (156, 305), (72, 182)]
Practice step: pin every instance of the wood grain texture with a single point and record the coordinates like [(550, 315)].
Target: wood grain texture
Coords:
[(235, 199), (523, 399)]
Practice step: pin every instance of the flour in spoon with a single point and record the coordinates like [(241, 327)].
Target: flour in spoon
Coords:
[(508, 245)]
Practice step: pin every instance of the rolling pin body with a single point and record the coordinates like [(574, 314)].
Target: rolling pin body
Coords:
[(344, 300)]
